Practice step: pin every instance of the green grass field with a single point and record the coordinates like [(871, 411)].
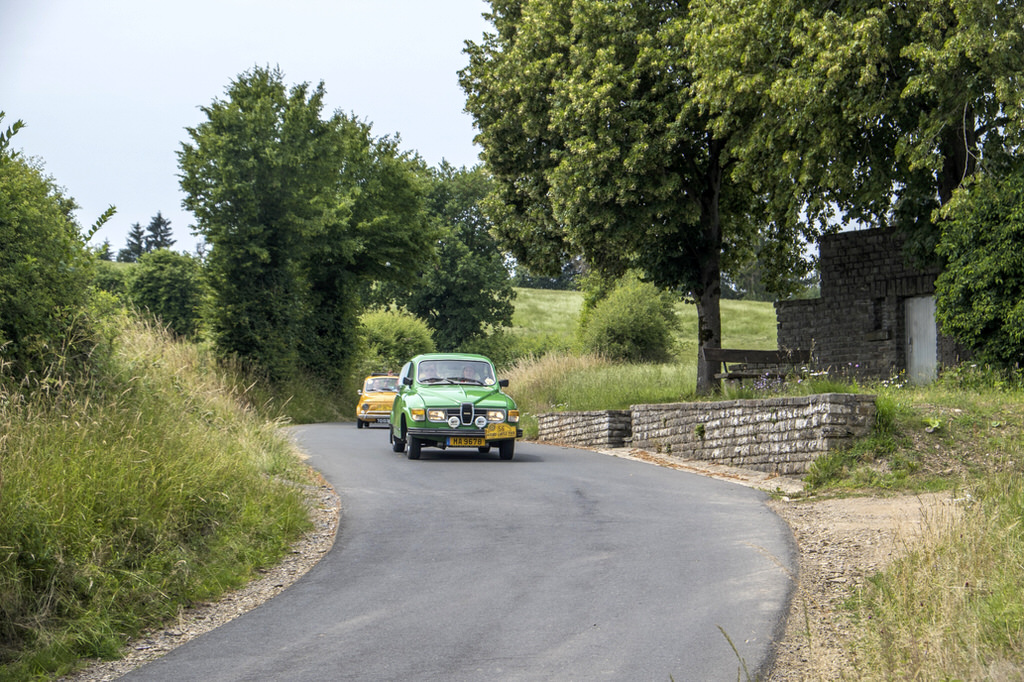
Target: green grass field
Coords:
[(555, 315)]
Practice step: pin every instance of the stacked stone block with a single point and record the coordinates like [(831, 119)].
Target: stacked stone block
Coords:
[(777, 435), (596, 429)]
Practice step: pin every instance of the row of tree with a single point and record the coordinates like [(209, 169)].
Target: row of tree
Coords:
[(157, 235), (683, 138), (309, 223), (311, 219)]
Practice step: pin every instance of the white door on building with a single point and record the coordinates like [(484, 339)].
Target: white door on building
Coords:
[(922, 340)]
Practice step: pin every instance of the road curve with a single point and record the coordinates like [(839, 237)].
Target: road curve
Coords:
[(561, 564)]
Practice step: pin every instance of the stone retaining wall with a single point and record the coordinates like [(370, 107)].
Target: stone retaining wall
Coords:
[(597, 429), (778, 435)]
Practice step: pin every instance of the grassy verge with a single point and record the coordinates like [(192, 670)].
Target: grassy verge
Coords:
[(952, 608), (128, 493)]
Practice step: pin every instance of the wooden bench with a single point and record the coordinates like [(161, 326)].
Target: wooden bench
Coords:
[(776, 359)]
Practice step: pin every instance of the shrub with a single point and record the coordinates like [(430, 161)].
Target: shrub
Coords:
[(634, 323), (44, 270), (112, 277), (979, 296), (170, 286), (391, 338)]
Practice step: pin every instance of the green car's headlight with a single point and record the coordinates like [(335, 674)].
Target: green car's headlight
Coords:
[(495, 415), (436, 415)]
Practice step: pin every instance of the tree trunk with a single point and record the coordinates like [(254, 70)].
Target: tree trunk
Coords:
[(709, 313), (959, 150)]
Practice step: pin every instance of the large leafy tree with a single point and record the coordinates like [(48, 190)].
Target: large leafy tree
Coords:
[(296, 211), (258, 175), (469, 289), (586, 121), (869, 111), (379, 231)]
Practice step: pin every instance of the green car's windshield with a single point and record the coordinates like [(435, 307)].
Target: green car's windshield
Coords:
[(456, 372)]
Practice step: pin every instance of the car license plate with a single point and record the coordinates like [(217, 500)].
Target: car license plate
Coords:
[(383, 420), (465, 442), (499, 432)]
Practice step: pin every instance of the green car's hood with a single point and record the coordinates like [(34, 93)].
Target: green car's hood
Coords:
[(453, 395)]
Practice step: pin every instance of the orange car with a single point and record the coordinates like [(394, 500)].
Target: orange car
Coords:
[(375, 399)]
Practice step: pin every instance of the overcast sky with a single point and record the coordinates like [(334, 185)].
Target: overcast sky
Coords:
[(107, 87)]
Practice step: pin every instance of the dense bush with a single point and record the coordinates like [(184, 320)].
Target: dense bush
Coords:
[(112, 277), (391, 338), (634, 323), (170, 286), (980, 293), (44, 270)]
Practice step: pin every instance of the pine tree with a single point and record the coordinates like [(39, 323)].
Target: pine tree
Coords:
[(135, 246), (158, 234), (104, 253)]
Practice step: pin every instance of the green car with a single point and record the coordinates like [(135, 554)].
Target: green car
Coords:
[(452, 400)]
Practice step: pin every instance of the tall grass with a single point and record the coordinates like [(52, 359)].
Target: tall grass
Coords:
[(128, 493), (562, 381), (952, 608)]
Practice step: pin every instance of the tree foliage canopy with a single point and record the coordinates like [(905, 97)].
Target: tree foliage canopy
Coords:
[(469, 288), (298, 211), (873, 109)]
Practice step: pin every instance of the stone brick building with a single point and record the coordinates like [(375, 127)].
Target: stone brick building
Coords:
[(876, 314)]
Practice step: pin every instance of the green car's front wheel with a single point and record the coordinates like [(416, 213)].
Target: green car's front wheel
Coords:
[(414, 448), (506, 448), (398, 444)]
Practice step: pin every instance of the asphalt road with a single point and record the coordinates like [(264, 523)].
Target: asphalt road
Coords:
[(561, 564)]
